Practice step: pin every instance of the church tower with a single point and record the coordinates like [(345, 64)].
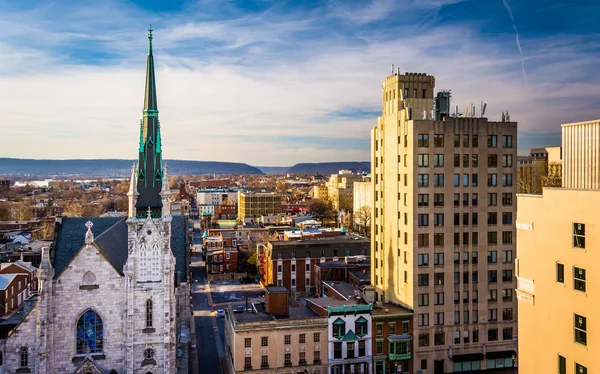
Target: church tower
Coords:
[(150, 265)]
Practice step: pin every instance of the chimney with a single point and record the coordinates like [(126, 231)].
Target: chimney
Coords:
[(277, 301)]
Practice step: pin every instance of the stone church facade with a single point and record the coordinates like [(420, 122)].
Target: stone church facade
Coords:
[(109, 286)]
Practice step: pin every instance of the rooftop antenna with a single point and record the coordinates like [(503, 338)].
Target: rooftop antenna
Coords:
[(392, 68), (483, 106), (503, 118), (507, 116)]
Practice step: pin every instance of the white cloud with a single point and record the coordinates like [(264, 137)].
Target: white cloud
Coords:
[(220, 99)]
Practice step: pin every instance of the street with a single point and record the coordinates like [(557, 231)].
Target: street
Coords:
[(209, 339)]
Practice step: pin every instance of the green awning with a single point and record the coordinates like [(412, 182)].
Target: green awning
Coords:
[(339, 321), (362, 319), (400, 338)]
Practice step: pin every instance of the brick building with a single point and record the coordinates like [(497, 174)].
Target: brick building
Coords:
[(291, 264), (13, 292)]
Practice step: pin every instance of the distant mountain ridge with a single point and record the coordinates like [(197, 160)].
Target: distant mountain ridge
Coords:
[(330, 167), (117, 168)]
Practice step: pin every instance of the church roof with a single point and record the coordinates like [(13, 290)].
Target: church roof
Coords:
[(111, 239)]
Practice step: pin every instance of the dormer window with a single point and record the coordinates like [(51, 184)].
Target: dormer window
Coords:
[(339, 328), (361, 326)]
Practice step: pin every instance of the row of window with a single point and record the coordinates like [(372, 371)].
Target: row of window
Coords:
[(438, 140), (438, 219), (562, 366), (287, 360), (438, 298), (439, 338), (579, 276), (264, 340), (473, 159), (438, 238), (350, 349), (438, 278), (438, 180), (392, 328), (492, 258), (438, 199)]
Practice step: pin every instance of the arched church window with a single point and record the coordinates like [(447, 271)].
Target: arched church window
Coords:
[(143, 263), (24, 357), (149, 354), (148, 313), (155, 263), (90, 333)]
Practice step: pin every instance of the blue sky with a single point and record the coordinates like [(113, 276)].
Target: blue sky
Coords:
[(279, 82)]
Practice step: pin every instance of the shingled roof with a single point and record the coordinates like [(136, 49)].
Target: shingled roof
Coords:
[(111, 239)]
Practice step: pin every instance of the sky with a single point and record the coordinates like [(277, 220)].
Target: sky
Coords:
[(274, 82)]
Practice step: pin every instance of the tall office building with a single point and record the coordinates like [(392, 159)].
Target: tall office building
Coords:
[(443, 226), (558, 260)]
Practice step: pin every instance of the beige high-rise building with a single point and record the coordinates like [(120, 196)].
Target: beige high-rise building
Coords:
[(253, 205), (442, 240), (558, 259), (340, 189)]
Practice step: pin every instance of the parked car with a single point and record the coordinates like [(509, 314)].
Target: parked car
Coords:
[(220, 313), (246, 280)]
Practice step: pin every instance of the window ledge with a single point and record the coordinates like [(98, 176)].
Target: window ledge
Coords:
[(148, 330)]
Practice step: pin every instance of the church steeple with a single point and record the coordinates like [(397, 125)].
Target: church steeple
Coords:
[(150, 171)]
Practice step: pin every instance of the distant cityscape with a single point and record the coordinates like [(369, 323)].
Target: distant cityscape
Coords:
[(447, 252)]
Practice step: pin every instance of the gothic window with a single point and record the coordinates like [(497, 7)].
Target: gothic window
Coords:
[(143, 263), (90, 333), (24, 357), (155, 263), (149, 354), (149, 313)]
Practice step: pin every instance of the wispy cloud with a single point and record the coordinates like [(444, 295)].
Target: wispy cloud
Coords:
[(277, 84)]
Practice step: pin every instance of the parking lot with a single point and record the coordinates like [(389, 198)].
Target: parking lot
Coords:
[(231, 291)]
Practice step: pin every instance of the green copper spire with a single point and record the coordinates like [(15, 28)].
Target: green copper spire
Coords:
[(150, 171)]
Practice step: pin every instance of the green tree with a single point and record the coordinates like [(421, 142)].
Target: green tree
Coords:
[(252, 260)]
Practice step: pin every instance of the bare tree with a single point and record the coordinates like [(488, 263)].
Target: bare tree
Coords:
[(362, 220)]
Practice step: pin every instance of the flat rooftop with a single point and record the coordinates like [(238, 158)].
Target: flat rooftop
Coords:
[(390, 309), (328, 241), (261, 316), (344, 289)]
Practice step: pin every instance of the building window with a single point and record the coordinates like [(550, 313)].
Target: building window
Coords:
[(438, 199), (438, 259), (149, 313), (438, 279), (423, 180), (580, 369), (337, 350), (438, 180), (507, 180), (350, 350), (562, 365), (247, 363), (423, 340), (456, 160), (24, 357), (361, 348), (287, 339), (438, 160), (302, 359), (339, 328), (317, 337), (492, 161), (492, 335), (423, 259), (423, 160), (361, 326), (423, 200), (379, 329), (438, 219), (492, 237), (507, 218), (439, 338), (90, 333), (423, 364), (423, 220), (492, 199), (560, 273), (423, 140), (507, 161), (287, 360), (149, 354), (423, 240), (302, 338), (423, 299), (492, 180), (579, 279), (456, 140), (456, 180), (438, 239), (438, 140), (492, 141), (423, 319), (247, 342), (580, 329), (579, 235), (492, 276), (264, 341), (507, 333), (507, 314), (492, 257), (316, 357), (507, 141), (264, 362), (423, 280)]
